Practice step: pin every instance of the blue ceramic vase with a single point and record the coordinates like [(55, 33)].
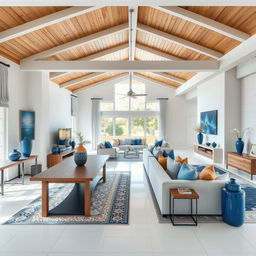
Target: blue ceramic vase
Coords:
[(15, 155), (80, 158), (73, 144), (55, 150), (233, 203), (26, 147), (200, 138), (214, 145), (239, 146)]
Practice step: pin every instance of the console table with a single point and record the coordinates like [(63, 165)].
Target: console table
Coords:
[(209, 153), (242, 162), (53, 159), (5, 164)]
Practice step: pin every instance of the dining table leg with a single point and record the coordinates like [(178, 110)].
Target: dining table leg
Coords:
[(87, 199), (104, 173), (45, 198)]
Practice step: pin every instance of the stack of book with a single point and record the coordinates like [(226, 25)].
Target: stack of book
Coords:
[(184, 191)]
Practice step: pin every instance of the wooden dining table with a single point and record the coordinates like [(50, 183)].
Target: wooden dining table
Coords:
[(85, 179)]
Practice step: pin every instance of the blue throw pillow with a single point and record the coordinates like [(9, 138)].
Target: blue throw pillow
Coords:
[(134, 142), (170, 154), (173, 168), (158, 143), (108, 144), (187, 172), (139, 142), (62, 142)]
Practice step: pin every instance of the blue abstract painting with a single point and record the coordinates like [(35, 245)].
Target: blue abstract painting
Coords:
[(27, 124), (209, 122)]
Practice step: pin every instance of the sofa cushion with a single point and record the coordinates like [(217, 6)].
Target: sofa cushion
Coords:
[(128, 141), (156, 152), (173, 168), (224, 176), (187, 172), (101, 145), (108, 144), (136, 142), (181, 160), (158, 143), (170, 154), (163, 161), (208, 173)]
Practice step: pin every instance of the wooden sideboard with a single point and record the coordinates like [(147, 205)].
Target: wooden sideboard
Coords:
[(53, 159), (209, 153), (242, 162)]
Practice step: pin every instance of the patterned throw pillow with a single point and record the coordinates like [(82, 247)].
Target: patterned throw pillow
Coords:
[(181, 160), (163, 161), (187, 172), (173, 168), (208, 173), (158, 143), (170, 154)]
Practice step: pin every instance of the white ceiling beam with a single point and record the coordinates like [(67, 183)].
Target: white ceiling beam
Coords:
[(133, 20), (111, 79), (120, 66), (242, 53), (204, 22), (94, 56), (128, 2), (81, 79), (79, 42), (182, 42), (145, 79), (157, 52), (170, 77), (43, 22)]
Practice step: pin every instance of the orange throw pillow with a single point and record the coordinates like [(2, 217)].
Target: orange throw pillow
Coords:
[(181, 160), (208, 173), (163, 161)]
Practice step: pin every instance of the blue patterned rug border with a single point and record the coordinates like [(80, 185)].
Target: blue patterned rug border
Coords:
[(122, 186)]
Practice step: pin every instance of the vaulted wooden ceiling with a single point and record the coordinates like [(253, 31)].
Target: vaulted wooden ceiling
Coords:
[(106, 33)]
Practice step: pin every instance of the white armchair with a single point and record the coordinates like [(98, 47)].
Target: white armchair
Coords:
[(112, 152)]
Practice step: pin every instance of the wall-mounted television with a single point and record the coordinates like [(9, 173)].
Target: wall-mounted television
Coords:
[(209, 120), (65, 134)]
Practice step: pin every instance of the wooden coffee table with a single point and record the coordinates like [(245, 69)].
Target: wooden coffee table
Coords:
[(85, 178)]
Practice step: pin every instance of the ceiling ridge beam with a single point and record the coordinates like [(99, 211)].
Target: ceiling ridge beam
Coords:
[(94, 56), (120, 66), (204, 22), (157, 52), (78, 42), (43, 22), (81, 79), (133, 21), (180, 41), (170, 77), (115, 78)]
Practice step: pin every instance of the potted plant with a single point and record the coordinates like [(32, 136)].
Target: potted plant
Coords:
[(200, 129), (239, 142), (81, 152)]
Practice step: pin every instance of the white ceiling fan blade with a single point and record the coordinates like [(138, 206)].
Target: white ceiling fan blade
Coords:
[(140, 95)]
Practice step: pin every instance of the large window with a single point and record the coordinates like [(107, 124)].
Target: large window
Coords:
[(3, 133), (129, 117)]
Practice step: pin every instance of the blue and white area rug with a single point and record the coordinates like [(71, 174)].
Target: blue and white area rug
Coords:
[(110, 204)]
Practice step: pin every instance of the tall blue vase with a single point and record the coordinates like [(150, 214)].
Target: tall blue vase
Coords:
[(233, 203), (239, 146), (26, 147), (200, 138)]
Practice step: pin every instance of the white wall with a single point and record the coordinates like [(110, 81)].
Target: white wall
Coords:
[(181, 112)]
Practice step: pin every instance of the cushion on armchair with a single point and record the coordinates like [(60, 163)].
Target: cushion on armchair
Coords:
[(108, 144)]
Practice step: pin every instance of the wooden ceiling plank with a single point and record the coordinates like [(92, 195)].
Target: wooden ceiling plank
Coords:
[(94, 57), (78, 42), (204, 22), (170, 77), (180, 41), (120, 66), (43, 22), (157, 52), (81, 79), (115, 78)]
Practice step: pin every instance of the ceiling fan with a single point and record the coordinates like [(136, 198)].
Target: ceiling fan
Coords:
[(131, 93)]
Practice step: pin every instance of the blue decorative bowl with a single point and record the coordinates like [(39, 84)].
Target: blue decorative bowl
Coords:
[(80, 158), (55, 150), (14, 155)]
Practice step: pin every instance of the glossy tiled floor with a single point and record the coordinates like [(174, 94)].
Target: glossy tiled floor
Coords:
[(143, 236)]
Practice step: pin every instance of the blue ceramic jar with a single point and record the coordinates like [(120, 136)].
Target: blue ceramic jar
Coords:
[(233, 203), (26, 147), (239, 146), (80, 158), (15, 155), (200, 138), (214, 145)]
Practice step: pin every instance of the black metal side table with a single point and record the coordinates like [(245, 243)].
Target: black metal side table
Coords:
[(175, 195)]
